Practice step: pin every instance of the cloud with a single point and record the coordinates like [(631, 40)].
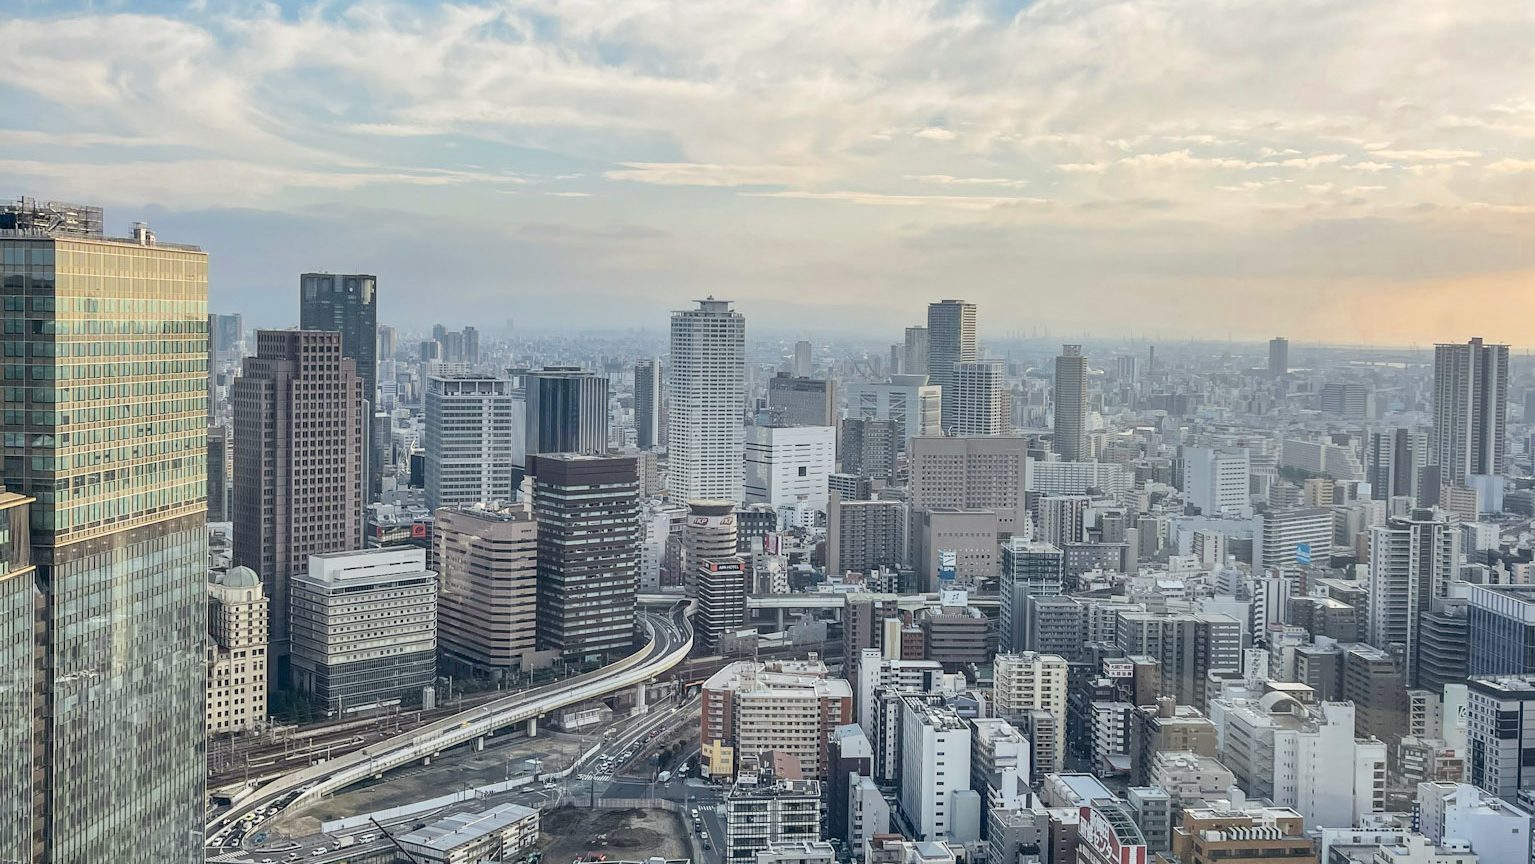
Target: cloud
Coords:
[(935, 133), (951, 180), (693, 174), (959, 202), (1428, 155)]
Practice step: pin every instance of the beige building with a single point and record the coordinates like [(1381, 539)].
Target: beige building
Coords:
[(972, 474), (487, 600), (1030, 681), (788, 707), (237, 652), (969, 536)]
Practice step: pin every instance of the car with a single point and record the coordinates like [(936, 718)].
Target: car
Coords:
[(319, 851), (366, 838), (267, 861), (550, 785)]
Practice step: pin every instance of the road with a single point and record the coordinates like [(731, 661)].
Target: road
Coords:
[(671, 639)]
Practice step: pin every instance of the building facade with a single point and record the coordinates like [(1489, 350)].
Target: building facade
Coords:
[(237, 653), (567, 411), (1071, 404), (470, 441), (365, 629), (789, 465), (909, 400), (487, 602), (707, 388), (647, 403), (1470, 409), (951, 340)]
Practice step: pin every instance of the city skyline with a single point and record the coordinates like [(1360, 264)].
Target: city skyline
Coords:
[(896, 147)]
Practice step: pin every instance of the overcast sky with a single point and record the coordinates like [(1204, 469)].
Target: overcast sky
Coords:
[(1338, 170)]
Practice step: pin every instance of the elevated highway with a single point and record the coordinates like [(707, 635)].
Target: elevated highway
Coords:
[(671, 640)]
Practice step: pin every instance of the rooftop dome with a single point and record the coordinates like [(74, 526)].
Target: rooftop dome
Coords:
[(241, 577)]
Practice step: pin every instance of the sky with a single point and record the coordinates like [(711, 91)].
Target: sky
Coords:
[(1348, 171)]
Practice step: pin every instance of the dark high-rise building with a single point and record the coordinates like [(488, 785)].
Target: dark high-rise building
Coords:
[(567, 411), (721, 599), (869, 447), (1392, 460), (914, 352), (1029, 569), (347, 304), (388, 342), (104, 674), (1470, 409), (1279, 357), (299, 428), (647, 403), (803, 401), (587, 509), (950, 340), (218, 474), (227, 332), (1070, 404), (471, 345)]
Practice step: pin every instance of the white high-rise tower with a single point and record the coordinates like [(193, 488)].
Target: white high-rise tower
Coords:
[(706, 441)]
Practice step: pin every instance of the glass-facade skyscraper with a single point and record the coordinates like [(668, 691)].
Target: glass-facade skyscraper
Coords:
[(105, 392)]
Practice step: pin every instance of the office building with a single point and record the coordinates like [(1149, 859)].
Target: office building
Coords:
[(487, 604), (1500, 732), (722, 588), (1412, 562), (955, 548), (950, 340), (909, 400), (1279, 357), (1443, 644), (1056, 625), (1030, 681), (1167, 727), (237, 652), (763, 813), (1079, 478), (790, 707), (982, 403), (1252, 834), (364, 629), (1187, 647), (647, 403), (587, 509), (1470, 409), (1497, 830), (1347, 399), (1062, 519), (219, 470), (914, 352), (21, 627), (862, 536), (226, 336), (711, 533), (1302, 757), (851, 758), (787, 466), (1071, 404), (1372, 681), (120, 585), (707, 390), (971, 474), (802, 401), (1291, 537), (869, 448), (567, 411), (935, 795), (1216, 480), (1501, 626), (470, 439), (348, 304), (505, 832), (999, 761), (804, 357), (1394, 459), (1029, 569), (299, 428)]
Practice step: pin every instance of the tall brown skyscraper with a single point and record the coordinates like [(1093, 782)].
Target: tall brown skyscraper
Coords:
[(299, 426)]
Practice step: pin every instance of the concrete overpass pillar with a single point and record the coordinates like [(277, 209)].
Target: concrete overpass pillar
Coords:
[(479, 744), (780, 619), (425, 761), (639, 699), (532, 726)]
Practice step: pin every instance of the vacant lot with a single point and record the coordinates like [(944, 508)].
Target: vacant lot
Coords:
[(571, 832)]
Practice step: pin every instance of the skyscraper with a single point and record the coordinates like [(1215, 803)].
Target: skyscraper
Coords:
[(487, 561), (803, 401), (106, 429), (1279, 357), (349, 304), (914, 357), (1412, 562), (1470, 409), (1071, 404), (647, 403), (909, 400), (705, 438), (567, 411), (1393, 458), (950, 340), (803, 359), (470, 441), (982, 402), (1029, 569), (298, 463), (587, 508), (471, 345)]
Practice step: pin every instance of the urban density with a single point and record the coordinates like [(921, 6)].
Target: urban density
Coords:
[(357, 569)]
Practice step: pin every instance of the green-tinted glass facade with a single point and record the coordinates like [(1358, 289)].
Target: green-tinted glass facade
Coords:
[(19, 659), (104, 400)]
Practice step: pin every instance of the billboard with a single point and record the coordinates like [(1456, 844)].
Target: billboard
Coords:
[(1302, 553), (948, 565)]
